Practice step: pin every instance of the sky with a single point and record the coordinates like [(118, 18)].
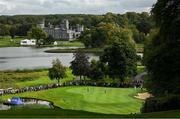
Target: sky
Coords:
[(14, 7)]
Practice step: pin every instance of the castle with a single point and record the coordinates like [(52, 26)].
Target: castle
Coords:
[(62, 31)]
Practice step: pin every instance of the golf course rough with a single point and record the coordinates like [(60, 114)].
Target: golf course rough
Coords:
[(91, 99)]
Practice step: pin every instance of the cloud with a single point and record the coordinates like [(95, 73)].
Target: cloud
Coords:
[(11, 7)]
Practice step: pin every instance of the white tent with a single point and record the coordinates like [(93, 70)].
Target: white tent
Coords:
[(28, 42)]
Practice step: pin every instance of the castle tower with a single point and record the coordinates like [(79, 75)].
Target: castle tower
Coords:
[(41, 24), (50, 25), (65, 24), (80, 28)]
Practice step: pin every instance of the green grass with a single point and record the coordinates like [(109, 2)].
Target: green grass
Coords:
[(45, 80), (19, 79), (46, 113), (140, 45), (91, 99), (117, 103), (140, 48), (11, 78), (70, 44), (66, 44), (8, 42), (61, 113), (141, 69), (20, 76)]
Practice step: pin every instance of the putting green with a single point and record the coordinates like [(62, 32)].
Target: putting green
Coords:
[(92, 99)]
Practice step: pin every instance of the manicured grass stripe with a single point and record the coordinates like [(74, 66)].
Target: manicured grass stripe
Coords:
[(61, 113), (91, 99)]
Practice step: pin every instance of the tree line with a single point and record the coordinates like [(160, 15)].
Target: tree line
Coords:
[(118, 61), (19, 25)]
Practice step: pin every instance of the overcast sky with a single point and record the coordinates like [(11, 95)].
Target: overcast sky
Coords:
[(12, 7)]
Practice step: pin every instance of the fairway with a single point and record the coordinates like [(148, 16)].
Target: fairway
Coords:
[(92, 99)]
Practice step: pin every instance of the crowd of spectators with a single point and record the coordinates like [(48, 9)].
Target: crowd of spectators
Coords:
[(134, 84)]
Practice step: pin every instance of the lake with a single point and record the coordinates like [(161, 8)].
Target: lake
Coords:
[(29, 103), (13, 58)]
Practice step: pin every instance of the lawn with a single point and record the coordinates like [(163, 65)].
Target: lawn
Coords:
[(8, 42), (70, 44), (141, 69), (45, 80), (140, 48), (61, 113), (91, 99), (19, 79)]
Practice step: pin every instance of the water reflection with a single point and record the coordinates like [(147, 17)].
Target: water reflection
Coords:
[(4, 107), (13, 58), (28, 103)]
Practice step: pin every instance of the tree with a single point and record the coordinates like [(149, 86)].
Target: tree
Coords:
[(58, 71), (24, 28), (38, 34), (109, 17), (4, 30), (86, 38), (49, 40), (13, 31), (80, 65), (137, 36), (104, 34), (162, 51), (96, 71), (132, 17), (144, 26), (122, 33), (99, 36), (121, 59)]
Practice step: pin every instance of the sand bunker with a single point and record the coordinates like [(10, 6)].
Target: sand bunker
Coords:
[(143, 96)]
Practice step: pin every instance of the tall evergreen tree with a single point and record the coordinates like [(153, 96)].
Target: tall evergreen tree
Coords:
[(80, 65)]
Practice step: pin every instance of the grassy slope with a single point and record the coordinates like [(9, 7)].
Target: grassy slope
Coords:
[(28, 78), (19, 79), (24, 75), (114, 101), (60, 113), (45, 80)]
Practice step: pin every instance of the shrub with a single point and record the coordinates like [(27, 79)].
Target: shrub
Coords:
[(154, 104)]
